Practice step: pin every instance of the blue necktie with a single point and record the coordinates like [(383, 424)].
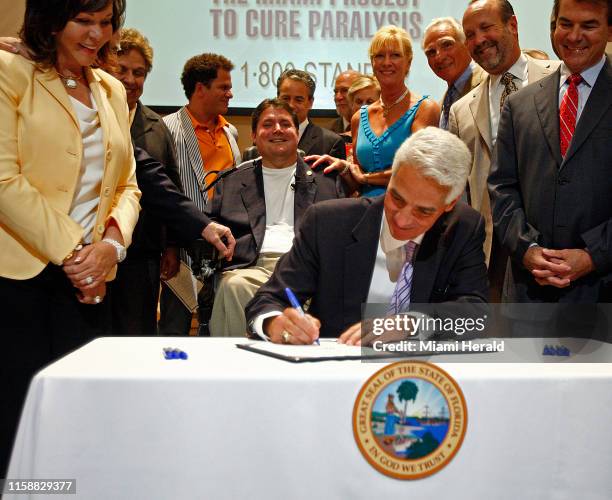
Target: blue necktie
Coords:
[(449, 99), (400, 301)]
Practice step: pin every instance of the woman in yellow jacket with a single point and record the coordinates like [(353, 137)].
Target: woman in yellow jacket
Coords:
[(68, 193)]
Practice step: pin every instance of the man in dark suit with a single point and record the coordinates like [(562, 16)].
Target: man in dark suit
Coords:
[(550, 180), (297, 88), (343, 108), (136, 287), (166, 215), (263, 203), (349, 252)]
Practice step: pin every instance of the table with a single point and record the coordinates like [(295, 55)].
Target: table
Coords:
[(227, 423)]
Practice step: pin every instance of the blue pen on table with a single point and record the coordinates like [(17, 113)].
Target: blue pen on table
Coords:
[(296, 305)]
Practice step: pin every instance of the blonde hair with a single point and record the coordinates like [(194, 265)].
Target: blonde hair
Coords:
[(388, 36), (363, 82)]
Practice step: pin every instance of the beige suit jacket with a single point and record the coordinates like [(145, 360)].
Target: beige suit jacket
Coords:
[(470, 120), (477, 76), (40, 161)]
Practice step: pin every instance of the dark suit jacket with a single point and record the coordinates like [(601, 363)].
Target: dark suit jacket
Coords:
[(149, 133), (333, 255), (239, 203), (162, 200), (319, 141), (539, 197), (337, 126), (315, 141)]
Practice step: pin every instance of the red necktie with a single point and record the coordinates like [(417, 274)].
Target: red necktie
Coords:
[(567, 112)]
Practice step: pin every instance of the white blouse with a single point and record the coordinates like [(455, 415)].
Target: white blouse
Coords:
[(87, 191)]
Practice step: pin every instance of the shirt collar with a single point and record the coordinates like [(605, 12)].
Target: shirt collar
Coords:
[(460, 82), (273, 169), (388, 243), (518, 70), (589, 75), (132, 114), (302, 127), (221, 122)]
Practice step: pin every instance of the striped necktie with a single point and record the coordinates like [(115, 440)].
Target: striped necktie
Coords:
[(568, 111), (449, 99), (400, 300)]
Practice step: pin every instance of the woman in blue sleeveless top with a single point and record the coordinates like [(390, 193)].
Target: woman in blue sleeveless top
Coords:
[(380, 128)]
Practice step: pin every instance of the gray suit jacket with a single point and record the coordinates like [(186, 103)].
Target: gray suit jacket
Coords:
[(540, 197), (470, 120)]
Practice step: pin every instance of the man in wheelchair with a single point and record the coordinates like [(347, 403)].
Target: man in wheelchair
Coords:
[(262, 202)]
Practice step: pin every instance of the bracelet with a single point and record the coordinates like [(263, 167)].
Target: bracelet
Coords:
[(78, 248)]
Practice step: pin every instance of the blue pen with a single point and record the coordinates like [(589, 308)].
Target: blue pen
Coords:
[(295, 304)]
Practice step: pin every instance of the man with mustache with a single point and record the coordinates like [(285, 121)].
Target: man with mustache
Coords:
[(491, 32)]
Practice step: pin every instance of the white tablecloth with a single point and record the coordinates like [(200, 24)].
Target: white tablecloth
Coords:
[(227, 423)]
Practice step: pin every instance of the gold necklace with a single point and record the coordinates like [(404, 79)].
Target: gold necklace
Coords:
[(69, 81), (386, 108)]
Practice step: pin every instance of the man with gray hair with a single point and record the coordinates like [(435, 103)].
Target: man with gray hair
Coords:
[(417, 242), (449, 58)]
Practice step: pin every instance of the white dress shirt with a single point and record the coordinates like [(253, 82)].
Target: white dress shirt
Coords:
[(584, 89), (390, 256), (520, 72), (301, 129)]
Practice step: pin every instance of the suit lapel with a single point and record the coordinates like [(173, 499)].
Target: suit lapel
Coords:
[(254, 200), (143, 123), (475, 78), (480, 112), (360, 256), (599, 101), (427, 263), (546, 105), (54, 86), (193, 150), (309, 138), (305, 191)]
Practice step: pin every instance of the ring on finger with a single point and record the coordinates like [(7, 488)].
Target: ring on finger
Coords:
[(97, 299), (286, 336), (89, 280)]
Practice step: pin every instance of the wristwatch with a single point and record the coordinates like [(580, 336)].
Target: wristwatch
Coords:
[(121, 252)]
